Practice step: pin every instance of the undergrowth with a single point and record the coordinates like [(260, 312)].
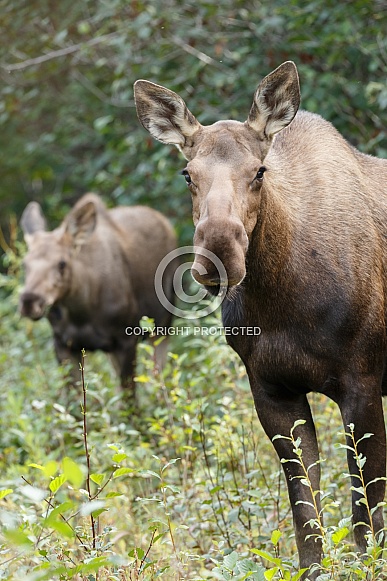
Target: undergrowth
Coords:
[(186, 488)]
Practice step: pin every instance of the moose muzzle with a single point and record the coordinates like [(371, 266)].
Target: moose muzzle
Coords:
[(220, 250), (32, 305)]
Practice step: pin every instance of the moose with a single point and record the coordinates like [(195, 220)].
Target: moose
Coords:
[(298, 217), (94, 277)]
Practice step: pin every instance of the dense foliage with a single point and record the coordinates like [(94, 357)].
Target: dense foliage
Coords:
[(67, 117), (186, 488)]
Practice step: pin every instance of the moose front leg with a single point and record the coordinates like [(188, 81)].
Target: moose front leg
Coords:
[(124, 362), (361, 408), (73, 359), (278, 412)]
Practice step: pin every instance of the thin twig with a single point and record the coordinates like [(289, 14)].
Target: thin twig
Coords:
[(104, 486), (146, 552), (48, 501), (196, 53), (85, 442)]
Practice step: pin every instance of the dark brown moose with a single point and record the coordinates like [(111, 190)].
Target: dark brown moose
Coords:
[(299, 219), (94, 277)]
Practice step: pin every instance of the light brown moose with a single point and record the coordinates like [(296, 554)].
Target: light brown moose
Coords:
[(94, 277), (299, 219)]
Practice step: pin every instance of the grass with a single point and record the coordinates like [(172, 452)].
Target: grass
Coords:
[(187, 488)]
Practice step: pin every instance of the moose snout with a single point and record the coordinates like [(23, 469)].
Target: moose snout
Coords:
[(220, 250), (32, 305), (205, 272)]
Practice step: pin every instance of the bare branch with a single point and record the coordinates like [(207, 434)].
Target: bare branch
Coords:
[(57, 53)]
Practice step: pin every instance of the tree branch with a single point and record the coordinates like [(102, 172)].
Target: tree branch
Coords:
[(57, 53)]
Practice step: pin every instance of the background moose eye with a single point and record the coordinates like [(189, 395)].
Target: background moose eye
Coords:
[(260, 173), (61, 266), (186, 176)]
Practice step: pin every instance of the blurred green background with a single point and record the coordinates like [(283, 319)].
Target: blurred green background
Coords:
[(67, 119)]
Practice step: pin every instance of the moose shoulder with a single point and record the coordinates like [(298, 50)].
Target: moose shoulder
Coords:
[(94, 276), (299, 219)]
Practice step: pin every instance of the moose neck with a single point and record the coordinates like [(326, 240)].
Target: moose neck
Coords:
[(270, 243), (267, 287), (92, 268)]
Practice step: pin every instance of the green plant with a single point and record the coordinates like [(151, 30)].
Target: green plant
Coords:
[(340, 559)]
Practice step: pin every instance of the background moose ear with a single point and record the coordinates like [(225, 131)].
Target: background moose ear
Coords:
[(32, 221), (276, 101), (81, 222), (164, 114)]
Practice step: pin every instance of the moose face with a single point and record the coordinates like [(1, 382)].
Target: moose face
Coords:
[(225, 171), (49, 260)]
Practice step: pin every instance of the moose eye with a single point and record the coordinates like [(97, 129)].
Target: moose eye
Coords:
[(187, 177), (260, 173), (61, 266)]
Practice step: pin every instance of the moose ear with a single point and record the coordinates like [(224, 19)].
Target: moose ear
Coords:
[(276, 101), (164, 114), (81, 222), (32, 221)]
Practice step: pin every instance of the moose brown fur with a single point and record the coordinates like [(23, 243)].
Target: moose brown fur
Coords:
[(299, 219), (94, 277)]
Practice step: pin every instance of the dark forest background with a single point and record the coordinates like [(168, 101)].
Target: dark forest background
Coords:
[(67, 118)]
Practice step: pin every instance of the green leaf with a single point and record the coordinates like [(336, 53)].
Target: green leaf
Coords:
[(50, 468), (275, 537), (215, 489), (18, 538), (92, 565), (98, 511), (102, 122), (296, 424), (57, 483), (367, 435), (117, 458), (62, 527), (149, 473), (60, 510), (97, 478), (72, 472), (233, 514), (170, 464), (142, 378), (230, 560), (339, 535), (269, 574), (137, 552), (267, 556), (113, 447), (38, 466), (5, 492), (299, 574), (122, 472)]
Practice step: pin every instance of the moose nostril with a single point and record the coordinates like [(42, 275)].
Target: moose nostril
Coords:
[(29, 297), (31, 305), (240, 235)]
